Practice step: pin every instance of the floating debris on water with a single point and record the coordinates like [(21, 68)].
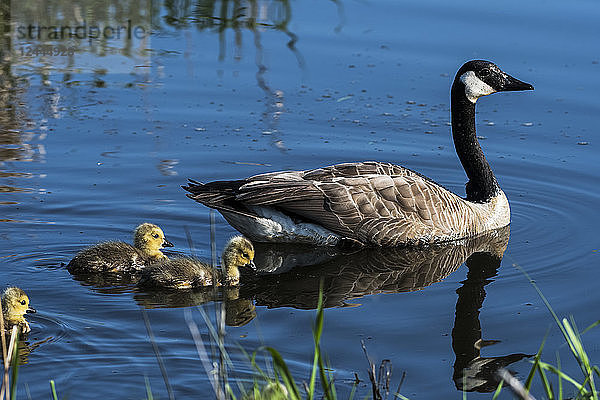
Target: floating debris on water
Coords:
[(527, 124)]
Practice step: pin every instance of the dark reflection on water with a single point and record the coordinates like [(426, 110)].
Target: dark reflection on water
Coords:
[(369, 271), (472, 372), (238, 311), (293, 281)]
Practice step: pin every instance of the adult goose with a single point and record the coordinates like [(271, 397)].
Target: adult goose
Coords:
[(374, 203)]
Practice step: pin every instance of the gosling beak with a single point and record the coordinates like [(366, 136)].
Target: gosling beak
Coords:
[(166, 243), (31, 310), (251, 265), (513, 84)]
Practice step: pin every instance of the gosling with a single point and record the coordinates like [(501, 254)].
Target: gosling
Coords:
[(114, 256), (15, 304), (187, 273)]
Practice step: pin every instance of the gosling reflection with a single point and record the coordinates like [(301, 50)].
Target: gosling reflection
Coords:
[(25, 347), (471, 371), (238, 311)]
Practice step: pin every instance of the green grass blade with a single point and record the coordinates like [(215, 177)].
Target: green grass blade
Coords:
[(580, 354), (564, 376), (590, 327), (256, 367), (545, 383), (536, 361), (15, 370), (317, 331), (498, 390), (148, 389), (53, 389), (280, 365), (353, 391), (229, 391), (560, 384)]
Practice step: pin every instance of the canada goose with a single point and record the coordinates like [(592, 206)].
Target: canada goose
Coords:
[(15, 304), (148, 239), (374, 203), (185, 272)]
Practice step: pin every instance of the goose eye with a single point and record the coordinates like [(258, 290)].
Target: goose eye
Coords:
[(245, 255), (484, 73), (23, 302), (155, 235)]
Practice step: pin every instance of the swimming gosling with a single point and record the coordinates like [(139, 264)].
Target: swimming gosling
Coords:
[(115, 256), (15, 304), (187, 273)]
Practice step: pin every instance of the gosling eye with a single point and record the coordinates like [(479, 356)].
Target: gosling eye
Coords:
[(155, 235), (245, 255), (23, 302)]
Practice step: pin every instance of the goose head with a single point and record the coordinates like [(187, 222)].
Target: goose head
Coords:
[(15, 304), (238, 252), (149, 238), (481, 78)]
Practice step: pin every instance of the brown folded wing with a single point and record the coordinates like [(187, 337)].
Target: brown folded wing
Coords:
[(373, 202)]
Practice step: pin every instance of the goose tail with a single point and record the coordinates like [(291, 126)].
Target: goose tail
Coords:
[(220, 195)]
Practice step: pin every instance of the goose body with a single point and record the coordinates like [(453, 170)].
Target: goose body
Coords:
[(15, 304), (186, 272), (117, 256), (374, 203)]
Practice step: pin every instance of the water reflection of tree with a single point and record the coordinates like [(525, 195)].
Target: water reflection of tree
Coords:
[(12, 112), (221, 15), (256, 16)]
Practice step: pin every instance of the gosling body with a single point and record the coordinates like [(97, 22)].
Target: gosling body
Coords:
[(15, 304), (187, 273), (116, 256)]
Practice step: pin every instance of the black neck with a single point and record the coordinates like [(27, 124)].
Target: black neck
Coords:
[(482, 185)]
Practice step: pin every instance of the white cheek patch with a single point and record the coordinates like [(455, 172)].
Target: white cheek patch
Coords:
[(475, 87)]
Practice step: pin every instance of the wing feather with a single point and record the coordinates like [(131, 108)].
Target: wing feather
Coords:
[(373, 202)]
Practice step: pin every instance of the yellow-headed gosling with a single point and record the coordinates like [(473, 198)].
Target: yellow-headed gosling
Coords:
[(15, 304), (148, 239), (185, 273)]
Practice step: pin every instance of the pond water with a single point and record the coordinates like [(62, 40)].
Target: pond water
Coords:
[(93, 143)]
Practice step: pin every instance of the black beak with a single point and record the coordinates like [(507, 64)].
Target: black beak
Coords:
[(251, 265), (166, 243), (513, 84), (31, 310)]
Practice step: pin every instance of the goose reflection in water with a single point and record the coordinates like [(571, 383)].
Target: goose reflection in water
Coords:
[(473, 373), (347, 277)]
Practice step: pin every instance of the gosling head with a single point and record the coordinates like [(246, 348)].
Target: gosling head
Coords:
[(481, 78), (149, 238), (15, 304), (238, 252)]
